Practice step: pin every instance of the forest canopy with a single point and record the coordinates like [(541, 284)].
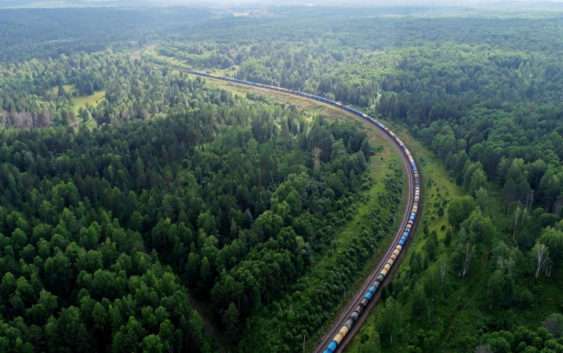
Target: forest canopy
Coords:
[(145, 210)]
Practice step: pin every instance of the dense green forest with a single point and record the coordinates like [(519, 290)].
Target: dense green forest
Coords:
[(28, 34), (139, 206), (103, 231)]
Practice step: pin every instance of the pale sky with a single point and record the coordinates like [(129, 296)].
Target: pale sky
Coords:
[(356, 2)]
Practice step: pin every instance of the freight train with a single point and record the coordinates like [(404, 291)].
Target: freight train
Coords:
[(399, 243)]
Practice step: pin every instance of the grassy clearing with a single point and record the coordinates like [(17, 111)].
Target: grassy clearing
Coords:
[(79, 102), (151, 53), (83, 101)]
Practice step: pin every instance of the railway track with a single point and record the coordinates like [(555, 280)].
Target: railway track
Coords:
[(349, 308), (351, 318)]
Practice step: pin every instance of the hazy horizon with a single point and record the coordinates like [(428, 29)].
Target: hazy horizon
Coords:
[(267, 3)]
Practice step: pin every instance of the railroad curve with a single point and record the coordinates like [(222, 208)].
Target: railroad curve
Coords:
[(353, 315)]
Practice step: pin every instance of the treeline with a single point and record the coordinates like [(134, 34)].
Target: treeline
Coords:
[(102, 232)]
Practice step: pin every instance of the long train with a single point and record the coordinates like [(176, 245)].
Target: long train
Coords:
[(407, 229)]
